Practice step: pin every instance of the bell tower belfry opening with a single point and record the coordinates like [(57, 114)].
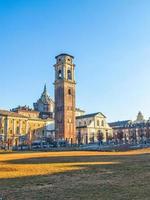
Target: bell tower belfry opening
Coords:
[(65, 123)]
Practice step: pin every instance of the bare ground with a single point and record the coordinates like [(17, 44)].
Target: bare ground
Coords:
[(75, 175)]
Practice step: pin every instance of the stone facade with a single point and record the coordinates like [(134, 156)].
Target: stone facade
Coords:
[(90, 126), (65, 98), (21, 127), (129, 131), (60, 120)]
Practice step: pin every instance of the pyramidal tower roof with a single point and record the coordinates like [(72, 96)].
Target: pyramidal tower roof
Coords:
[(45, 89), (44, 96)]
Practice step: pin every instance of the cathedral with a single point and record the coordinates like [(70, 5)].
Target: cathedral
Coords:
[(58, 119), (69, 121)]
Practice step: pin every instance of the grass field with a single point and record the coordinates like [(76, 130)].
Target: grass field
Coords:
[(75, 175)]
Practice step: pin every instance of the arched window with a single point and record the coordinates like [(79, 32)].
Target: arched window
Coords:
[(69, 74), (17, 130), (59, 74), (69, 91), (97, 122), (102, 123)]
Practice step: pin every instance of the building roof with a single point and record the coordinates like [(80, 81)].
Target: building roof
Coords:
[(120, 123), (64, 54), (45, 99), (24, 109), (90, 115), (78, 109), (11, 114), (14, 114)]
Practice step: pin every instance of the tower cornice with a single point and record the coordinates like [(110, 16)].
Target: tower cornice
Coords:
[(64, 81), (64, 54)]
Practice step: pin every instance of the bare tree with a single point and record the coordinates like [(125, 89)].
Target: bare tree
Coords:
[(120, 136), (100, 137), (79, 138)]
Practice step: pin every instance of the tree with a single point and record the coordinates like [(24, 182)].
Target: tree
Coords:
[(100, 137), (120, 136), (133, 137), (147, 133), (79, 138), (141, 134), (110, 138)]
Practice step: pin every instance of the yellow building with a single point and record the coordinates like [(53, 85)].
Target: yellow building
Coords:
[(20, 126)]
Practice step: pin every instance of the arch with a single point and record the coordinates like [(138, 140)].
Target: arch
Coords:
[(102, 123), (97, 122), (69, 74), (69, 91), (59, 74)]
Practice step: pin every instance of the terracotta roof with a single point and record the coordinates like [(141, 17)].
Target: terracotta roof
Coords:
[(11, 114), (28, 111), (14, 114)]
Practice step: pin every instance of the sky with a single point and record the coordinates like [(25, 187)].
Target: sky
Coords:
[(110, 40)]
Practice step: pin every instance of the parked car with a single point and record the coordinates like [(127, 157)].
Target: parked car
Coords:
[(21, 147)]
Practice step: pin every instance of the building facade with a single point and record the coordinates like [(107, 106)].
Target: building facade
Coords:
[(90, 127), (59, 120), (132, 132), (65, 123), (20, 127)]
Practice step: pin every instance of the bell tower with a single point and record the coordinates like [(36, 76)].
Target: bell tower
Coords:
[(65, 123)]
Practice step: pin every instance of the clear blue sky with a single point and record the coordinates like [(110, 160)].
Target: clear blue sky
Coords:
[(110, 40)]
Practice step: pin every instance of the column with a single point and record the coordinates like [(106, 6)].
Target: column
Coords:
[(14, 131)]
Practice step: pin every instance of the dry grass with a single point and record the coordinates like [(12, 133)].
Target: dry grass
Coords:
[(75, 175)]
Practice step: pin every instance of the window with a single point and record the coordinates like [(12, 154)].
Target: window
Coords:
[(45, 108), (69, 74), (69, 91), (17, 130), (102, 123), (97, 122), (59, 74)]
